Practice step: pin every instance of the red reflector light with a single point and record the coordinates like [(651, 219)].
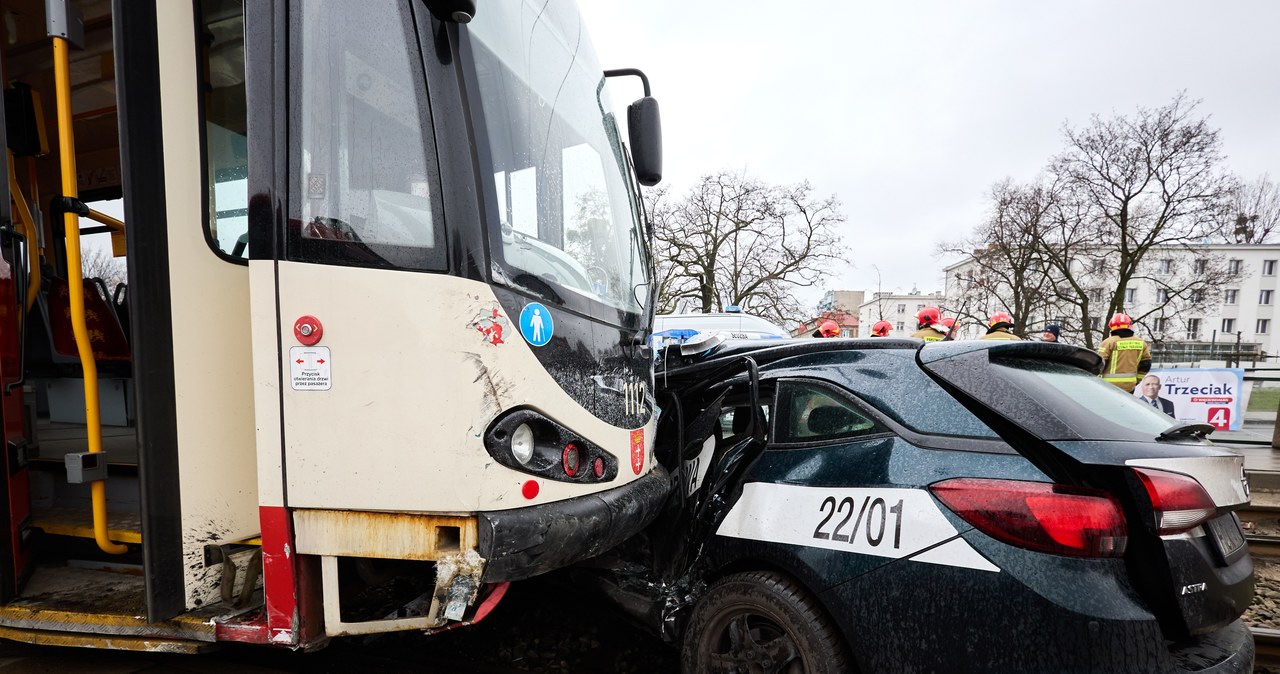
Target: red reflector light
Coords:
[(597, 467), (1041, 516), (530, 489), (1181, 504), (571, 459)]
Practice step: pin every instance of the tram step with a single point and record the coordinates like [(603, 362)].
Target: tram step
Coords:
[(74, 606), (105, 641)]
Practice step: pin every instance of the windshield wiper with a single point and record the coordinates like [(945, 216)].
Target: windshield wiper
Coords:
[(1185, 431)]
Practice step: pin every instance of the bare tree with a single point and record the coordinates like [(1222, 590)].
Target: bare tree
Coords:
[(1009, 271), (1131, 185), (673, 289), (735, 240), (1255, 211), (878, 294), (1071, 245), (1187, 283), (100, 263)]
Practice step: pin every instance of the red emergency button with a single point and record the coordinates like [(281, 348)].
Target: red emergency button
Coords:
[(308, 330)]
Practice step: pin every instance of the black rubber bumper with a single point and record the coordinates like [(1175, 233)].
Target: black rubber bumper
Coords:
[(525, 542), (1229, 650)]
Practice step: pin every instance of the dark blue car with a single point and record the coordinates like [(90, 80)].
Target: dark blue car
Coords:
[(883, 506)]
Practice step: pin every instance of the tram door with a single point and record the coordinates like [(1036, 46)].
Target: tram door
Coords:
[(361, 290), (15, 504)]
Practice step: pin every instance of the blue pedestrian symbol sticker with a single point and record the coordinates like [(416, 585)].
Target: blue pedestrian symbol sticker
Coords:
[(536, 324)]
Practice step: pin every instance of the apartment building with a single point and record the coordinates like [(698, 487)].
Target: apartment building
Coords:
[(899, 309), (1191, 302)]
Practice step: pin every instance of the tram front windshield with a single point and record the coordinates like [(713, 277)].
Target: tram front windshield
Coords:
[(566, 224)]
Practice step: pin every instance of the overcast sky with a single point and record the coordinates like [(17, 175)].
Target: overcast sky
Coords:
[(909, 111)]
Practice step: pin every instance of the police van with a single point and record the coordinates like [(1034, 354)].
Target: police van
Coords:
[(733, 324)]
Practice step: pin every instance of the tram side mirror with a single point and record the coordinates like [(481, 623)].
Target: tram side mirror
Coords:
[(644, 125)]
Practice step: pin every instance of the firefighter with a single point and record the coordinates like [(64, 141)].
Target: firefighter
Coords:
[(1128, 358), (948, 327), (881, 329), (928, 327), (998, 327), (827, 328)]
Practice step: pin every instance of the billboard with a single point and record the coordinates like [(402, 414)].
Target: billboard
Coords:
[(1213, 396)]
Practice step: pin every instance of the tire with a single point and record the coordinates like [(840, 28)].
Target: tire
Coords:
[(785, 630)]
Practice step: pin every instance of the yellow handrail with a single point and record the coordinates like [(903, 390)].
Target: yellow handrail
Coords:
[(106, 220), (29, 230), (75, 282)]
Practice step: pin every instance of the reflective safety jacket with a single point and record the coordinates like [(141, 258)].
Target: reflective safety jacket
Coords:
[(930, 334), (1002, 333), (1128, 360)]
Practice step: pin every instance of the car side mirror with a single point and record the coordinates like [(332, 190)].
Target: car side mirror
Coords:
[(644, 125), (701, 343)]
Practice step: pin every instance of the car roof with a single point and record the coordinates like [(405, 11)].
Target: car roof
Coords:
[(765, 352)]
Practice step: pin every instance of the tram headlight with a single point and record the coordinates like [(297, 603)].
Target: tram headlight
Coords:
[(526, 441), (522, 444)]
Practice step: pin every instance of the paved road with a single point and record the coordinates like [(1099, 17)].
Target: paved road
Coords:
[(541, 626)]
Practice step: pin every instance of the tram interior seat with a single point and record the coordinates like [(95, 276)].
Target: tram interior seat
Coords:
[(51, 341), (120, 302), (53, 359)]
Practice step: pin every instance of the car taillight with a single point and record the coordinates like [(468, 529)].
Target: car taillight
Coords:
[(1053, 518), (1180, 503)]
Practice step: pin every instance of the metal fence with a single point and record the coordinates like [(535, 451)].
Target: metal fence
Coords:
[(1238, 355)]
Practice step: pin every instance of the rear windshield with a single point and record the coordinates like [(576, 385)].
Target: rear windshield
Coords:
[(1082, 405), (895, 385)]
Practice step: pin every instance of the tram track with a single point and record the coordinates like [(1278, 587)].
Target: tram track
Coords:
[(1266, 643), (1258, 518), (1263, 546), (1263, 515)]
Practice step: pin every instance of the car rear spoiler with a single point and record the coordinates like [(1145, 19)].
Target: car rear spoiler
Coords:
[(1075, 356)]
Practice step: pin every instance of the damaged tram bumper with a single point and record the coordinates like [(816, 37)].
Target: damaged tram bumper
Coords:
[(383, 572), (526, 542)]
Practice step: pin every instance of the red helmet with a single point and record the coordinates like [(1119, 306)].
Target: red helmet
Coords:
[(947, 322), (829, 329), (999, 317), (1121, 322), (928, 316), (881, 329)]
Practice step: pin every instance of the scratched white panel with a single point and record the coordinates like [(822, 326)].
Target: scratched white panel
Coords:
[(212, 358), (416, 379)]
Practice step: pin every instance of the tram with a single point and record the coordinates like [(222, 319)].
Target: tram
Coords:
[(382, 344)]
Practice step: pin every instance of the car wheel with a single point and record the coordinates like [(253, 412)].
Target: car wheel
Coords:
[(761, 622)]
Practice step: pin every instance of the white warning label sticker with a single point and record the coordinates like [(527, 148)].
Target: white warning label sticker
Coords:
[(310, 368)]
